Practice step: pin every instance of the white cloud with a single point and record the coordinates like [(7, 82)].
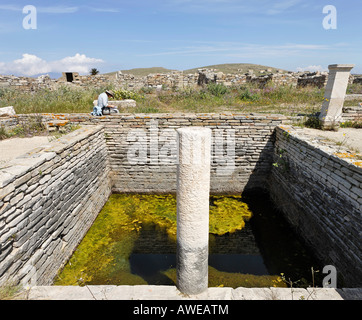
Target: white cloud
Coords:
[(78, 63), (281, 6), (268, 7), (241, 50), (58, 9), (30, 65), (110, 10), (312, 68), (53, 9), (10, 7)]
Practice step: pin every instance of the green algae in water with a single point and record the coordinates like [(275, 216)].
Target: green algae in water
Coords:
[(103, 255), (234, 280), (133, 242)]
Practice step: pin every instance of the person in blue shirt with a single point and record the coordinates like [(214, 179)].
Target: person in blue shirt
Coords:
[(103, 107)]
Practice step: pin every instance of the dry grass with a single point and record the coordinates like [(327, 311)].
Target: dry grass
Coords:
[(9, 291), (215, 98)]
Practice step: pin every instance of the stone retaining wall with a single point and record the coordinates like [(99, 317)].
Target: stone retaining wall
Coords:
[(174, 79), (353, 114), (143, 154), (319, 189), (142, 148), (48, 200)]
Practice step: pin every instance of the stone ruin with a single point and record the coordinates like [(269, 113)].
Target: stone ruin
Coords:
[(174, 79)]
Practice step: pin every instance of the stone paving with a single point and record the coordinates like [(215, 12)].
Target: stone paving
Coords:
[(145, 292)]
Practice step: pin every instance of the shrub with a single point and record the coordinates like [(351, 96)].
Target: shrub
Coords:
[(248, 95), (147, 90), (351, 124), (355, 88), (122, 94), (217, 89), (313, 122), (3, 133)]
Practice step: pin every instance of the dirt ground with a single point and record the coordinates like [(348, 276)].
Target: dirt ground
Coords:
[(348, 137), (14, 147)]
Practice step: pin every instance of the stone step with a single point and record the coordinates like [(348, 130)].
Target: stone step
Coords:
[(56, 124), (148, 292)]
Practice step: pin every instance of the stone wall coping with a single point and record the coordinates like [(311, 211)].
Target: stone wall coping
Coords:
[(152, 292), (252, 116), (337, 153), (341, 66), (23, 164)]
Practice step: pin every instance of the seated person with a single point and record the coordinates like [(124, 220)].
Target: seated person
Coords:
[(102, 106)]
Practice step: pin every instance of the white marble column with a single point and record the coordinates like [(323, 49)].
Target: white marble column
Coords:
[(335, 93), (193, 189)]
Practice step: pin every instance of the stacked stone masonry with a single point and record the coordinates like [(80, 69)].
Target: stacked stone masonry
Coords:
[(175, 79), (48, 200), (142, 148), (319, 189)]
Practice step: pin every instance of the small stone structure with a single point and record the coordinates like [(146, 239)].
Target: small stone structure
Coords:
[(50, 197), (332, 108), (193, 191), (7, 111)]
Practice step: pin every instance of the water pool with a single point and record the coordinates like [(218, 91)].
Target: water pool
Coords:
[(133, 241)]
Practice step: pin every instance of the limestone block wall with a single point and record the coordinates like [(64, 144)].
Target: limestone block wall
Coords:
[(319, 189), (142, 148), (174, 79), (48, 200), (50, 197), (353, 114), (143, 152), (26, 83)]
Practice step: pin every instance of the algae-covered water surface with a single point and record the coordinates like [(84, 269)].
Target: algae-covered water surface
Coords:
[(133, 241)]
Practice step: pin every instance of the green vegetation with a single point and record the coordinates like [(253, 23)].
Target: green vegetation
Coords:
[(10, 291), (234, 280), (94, 71), (349, 124), (355, 88), (227, 68), (246, 98), (237, 68), (123, 94), (62, 100), (103, 255), (313, 122), (228, 214), (142, 72), (33, 126), (234, 68), (3, 133)]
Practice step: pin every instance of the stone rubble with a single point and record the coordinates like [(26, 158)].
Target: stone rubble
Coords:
[(174, 79)]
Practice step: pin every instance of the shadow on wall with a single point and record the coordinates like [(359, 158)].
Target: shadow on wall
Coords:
[(307, 186), (259, 177)]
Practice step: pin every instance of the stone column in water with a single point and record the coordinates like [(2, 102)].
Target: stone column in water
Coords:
[(335, 93), (193, 189)]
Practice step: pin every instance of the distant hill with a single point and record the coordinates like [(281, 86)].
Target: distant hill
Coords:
[(234, 68), (142, 72)]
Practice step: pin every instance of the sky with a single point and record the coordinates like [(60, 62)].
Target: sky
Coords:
[(75, 36)]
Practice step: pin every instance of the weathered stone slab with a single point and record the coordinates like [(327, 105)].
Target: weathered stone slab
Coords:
[(7, 111)]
